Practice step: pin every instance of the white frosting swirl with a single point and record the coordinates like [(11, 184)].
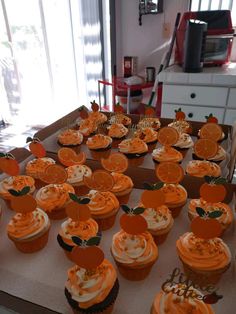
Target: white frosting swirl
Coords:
[(158, 219), (220, 155), (77, 172), (185, 141)]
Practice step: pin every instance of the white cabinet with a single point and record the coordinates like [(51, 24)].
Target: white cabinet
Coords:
[(199, 94), (193, 113)]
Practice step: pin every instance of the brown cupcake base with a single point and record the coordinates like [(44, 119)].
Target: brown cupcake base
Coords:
[(175, 211), (159, 239), (105, 223), (135, 274), (32, 245), (57, 214)]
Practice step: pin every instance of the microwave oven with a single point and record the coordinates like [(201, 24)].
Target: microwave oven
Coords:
[(219, 37)]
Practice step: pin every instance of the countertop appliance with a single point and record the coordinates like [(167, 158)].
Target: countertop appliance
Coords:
[(219, 39)]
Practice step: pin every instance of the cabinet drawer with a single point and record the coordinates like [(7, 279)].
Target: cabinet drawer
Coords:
[(232, 98), (193, 113), (195, 95), (230, 116)]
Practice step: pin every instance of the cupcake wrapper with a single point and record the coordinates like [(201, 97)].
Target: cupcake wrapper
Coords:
[(106, 223), (57, 214), (123, 199), (175, 211), (195, 157), (204, 277), (33, 245), (103, 307), (68, 145), (159, 239), (135, 155), (135, 274)]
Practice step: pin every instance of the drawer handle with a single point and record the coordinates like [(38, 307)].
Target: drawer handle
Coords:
[(193, 95), (190, 115)]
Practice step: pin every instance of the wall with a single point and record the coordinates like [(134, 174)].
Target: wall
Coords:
[(144, 41)]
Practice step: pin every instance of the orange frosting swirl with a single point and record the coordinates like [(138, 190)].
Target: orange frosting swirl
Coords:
[(168, 302), (102, 203), (97, 116), (83, 229), (117, 130), (225, 219), (147, 134), (159, 219), (134, 249), (149, 122), (53, 196), (89, 287), (29, 225), (38, 165), (175, 194), (181, 126), (70, 137), (87, 126), (203, 254), (133, 146), (99, 141), (166, 153), (120, 118), (16, 183), (122, 182), (201, 168)]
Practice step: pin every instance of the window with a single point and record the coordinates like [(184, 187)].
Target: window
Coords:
[(202, 5), (52, 54)]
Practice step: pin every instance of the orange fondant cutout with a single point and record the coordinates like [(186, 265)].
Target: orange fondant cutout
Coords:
[(211, 118), (100, 180), (205, 148), (9, 165), (132, 222), (149, 111), (94, 106), (213, 191), (22, 202), (77, 210), (53, 174), (211, 131), (35, 147), (87, 255), (169, 172), (116, 162), (153, 196), (83, 112), (118, 108), (68, 157), (179, 114), (205, 226), (168, 136)]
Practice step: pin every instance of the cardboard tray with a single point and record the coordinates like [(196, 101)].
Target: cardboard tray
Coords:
[(34, 283)]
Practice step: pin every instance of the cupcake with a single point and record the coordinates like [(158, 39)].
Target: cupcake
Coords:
[(87, 126), (120, 118), (134, 254), (97, 116), (225, 219), (92, 291), (201, 168), (122, 187), (104, 207), (181, 126), (153, 123), (83, 229), (147, 134), (29, 231), (166, 153), (99, 142), (70, 137), (175, 197), (37, 166), (53, 198), (160, 222), (16, 183), (173, 303), (203, 260), (133, 146), (117, 131), (185, 141), (75, 175)]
